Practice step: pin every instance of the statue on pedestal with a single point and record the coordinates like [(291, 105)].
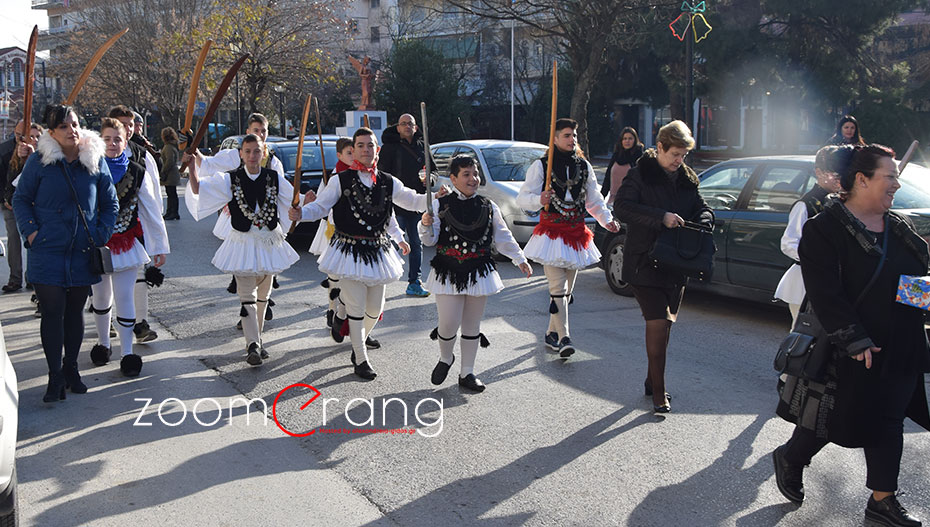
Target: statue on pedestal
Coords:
[(366, 76)]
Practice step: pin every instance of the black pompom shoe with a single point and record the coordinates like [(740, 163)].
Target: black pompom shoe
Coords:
[(100, 354), (364, 371), (131, 365)]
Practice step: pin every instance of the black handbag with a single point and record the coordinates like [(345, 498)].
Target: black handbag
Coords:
[(805, 352), (101, 261), (687, 250)]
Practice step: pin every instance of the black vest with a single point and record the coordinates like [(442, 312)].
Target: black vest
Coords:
[(814, 200), (361, 215), (575, 181), (254, 194), (127, 192), (463, 251)]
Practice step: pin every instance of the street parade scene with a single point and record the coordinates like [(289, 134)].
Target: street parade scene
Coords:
[(418, 262)]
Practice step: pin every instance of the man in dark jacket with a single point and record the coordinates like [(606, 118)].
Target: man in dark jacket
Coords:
[(14, 249), (402, 156)]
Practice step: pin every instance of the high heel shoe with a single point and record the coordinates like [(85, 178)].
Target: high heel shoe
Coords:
[(55, 391), (73, 380), (648, 391)]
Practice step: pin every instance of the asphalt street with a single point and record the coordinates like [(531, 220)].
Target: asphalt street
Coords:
[(550, 442)]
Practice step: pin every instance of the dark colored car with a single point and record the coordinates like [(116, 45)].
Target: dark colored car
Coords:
[(751, 198), (311, 175)]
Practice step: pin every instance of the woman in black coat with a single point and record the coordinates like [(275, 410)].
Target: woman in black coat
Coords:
[(626, 152), (659, 193), (876, 375)]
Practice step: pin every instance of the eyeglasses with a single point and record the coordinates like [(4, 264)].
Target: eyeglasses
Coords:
[(406, 123)]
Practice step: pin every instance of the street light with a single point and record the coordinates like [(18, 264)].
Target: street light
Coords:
[(279, 89)]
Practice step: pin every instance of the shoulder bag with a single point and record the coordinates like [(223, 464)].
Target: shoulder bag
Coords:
[(101, 262), (687, 250), (805, 352)]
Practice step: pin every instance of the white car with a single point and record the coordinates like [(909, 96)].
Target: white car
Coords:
[(502, 166), (9, 425)]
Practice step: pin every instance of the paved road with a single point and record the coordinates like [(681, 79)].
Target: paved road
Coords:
[(550, 442)]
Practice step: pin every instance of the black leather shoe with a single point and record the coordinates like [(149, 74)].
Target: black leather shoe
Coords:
[(11, 287), (100, 354), (364, 371), (329, 317), (648, 391), (131, 365), (55, 391), (262, 352), (254, 357), (336, 330), (890, 512), (662, 408), (472, 383), (372, 344), (788, 477), (441, 371)]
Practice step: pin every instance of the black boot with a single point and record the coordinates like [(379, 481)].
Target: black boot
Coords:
[(788, 477), (73, 378), (56, 388), (889, 511)]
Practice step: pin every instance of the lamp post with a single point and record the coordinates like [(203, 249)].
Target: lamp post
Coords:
[(236, 49), (279, 89)]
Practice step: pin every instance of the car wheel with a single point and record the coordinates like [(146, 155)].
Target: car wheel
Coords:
[(613, 265)]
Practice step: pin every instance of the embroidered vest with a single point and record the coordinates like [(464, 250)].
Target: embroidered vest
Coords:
[(361, 215), (249, 194), (574, 182), (127, 192), (463, 251)]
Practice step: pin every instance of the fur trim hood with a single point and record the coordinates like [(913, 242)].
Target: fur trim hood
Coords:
[(90, 150), (653, 173)]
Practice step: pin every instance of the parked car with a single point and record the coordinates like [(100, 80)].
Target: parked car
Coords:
[(9, 426), (234, 140), (506, 162), (311, 169), (751, 198)]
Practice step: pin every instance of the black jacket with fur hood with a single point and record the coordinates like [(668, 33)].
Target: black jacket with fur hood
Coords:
[(647, 193)]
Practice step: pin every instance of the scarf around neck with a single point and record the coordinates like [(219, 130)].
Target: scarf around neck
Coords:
[(362, 168), (118, 166)]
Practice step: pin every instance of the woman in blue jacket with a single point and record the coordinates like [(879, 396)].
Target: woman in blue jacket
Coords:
[(59, 248)]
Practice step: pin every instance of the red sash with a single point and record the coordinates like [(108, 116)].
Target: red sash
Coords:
[(123, 241), (572, 231)]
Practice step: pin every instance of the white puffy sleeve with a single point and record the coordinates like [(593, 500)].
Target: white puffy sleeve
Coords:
[(407, 198), (215, 191), (150, 216), (792, 236), (285, 195), (503, 238), (528, 197), (430, 235), (324, 201), (223, 161)]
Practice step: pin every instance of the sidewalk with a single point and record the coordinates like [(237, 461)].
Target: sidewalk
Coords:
[(83, 462)]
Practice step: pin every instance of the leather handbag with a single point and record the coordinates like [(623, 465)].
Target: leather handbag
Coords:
[(101, 261), (805, 352), (687, 250)]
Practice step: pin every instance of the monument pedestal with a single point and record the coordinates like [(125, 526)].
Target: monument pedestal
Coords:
[(355, 120)]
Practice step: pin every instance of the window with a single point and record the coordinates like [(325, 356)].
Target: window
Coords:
[(374, 4), (18, 74), (353, 26), (442, 157), (375, 34), (722, 188), (780, 187)]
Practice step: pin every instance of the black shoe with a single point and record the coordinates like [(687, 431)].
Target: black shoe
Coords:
[(336, 330), (790, 478), (648, 391), (441, 371), (890, 512), (662, 408), (472, 383), (38, 313), (29, 286), (131, 365), (262, 352), (100, 354), (11, 287), (73, 380), (565, 347), (144, 333), (329, 317), (255, 357), (55, 390), (552, 341), (372, 344), (34, 299), (364, 371)]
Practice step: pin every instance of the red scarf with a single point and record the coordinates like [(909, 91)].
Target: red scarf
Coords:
[(362, 168)]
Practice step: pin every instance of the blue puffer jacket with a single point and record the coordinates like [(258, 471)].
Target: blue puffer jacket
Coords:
[(60, 254)]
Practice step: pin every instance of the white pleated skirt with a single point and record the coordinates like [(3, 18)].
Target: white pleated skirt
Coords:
[(556, 253), (484, 286), (255, 253), (134, 257), (320, 241), (387, 268)]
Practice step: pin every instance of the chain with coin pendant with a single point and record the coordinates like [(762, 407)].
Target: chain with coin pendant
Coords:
[(268, 211), (360, 203)]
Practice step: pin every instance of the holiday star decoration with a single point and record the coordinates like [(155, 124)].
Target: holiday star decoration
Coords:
[(692, 16)]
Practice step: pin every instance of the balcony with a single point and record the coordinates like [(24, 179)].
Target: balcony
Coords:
[(54, 31), (49, 4)]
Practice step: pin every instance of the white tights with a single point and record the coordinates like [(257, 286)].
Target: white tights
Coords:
[(141, 295), (455, 311), (253, 294), (119, 287), (561, 285), (363, 305)]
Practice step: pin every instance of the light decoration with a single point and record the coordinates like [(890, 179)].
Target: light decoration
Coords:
[(692, 16)]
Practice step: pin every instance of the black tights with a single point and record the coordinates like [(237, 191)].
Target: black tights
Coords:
[(62, 324), (657, 334)]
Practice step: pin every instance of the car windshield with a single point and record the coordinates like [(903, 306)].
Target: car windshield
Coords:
[(510, 163), (311, 158), (915, 189)]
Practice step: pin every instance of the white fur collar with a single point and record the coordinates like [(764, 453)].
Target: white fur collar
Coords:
[(90, 149)]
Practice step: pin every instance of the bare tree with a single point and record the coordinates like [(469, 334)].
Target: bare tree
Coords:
[(586, 32)]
